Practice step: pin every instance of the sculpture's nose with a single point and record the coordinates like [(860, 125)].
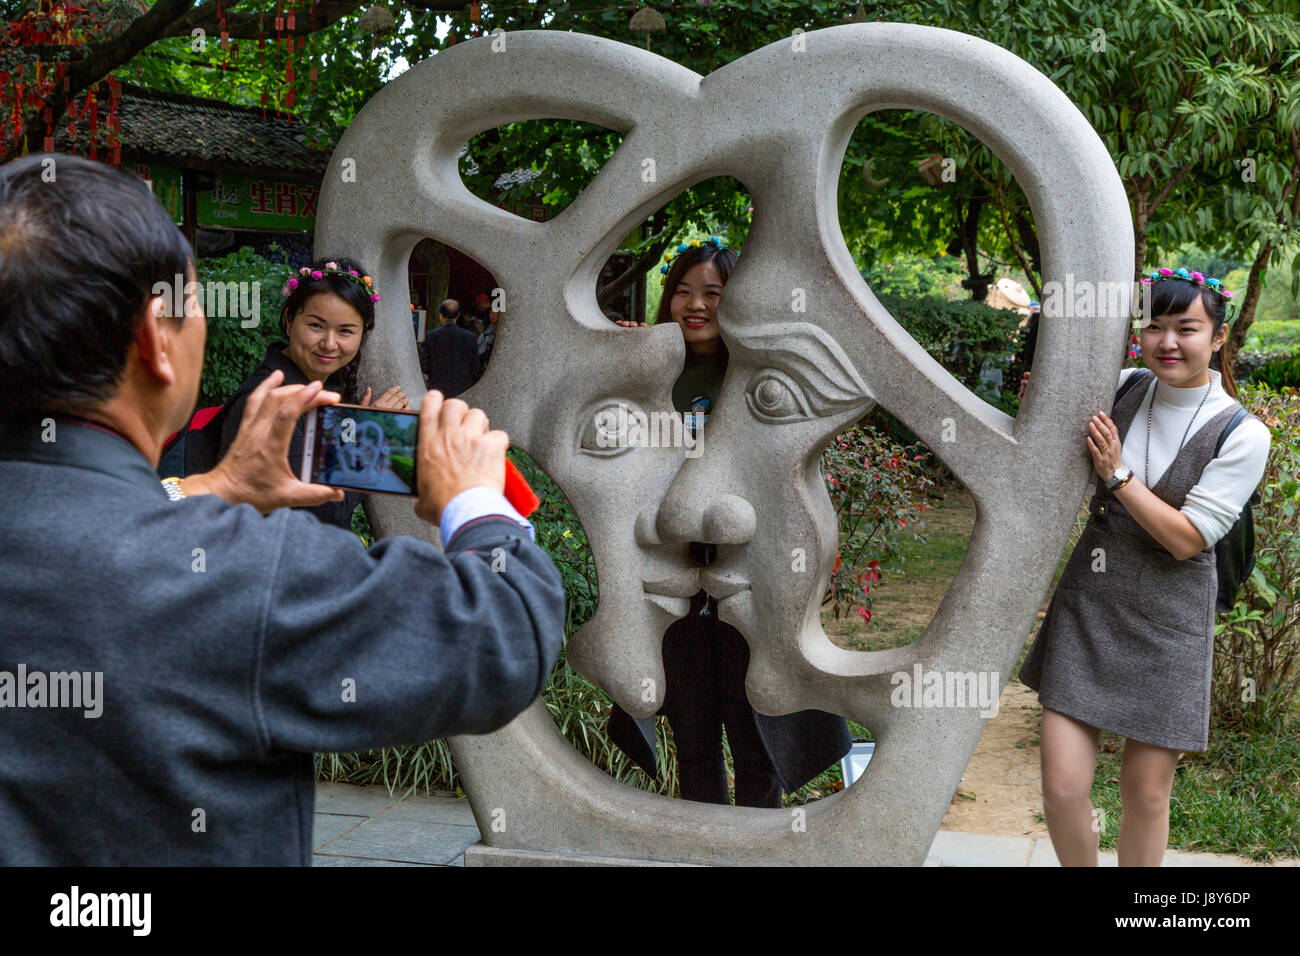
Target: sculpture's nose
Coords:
[(718, 518)]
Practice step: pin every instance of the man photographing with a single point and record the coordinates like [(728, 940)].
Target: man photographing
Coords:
[(230, 642)]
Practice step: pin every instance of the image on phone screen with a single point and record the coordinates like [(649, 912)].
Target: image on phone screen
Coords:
[(363, 449)]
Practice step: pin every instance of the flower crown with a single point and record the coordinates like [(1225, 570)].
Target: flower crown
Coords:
[(1208, 282), (1194, 277), (331, 268), (713, 241)]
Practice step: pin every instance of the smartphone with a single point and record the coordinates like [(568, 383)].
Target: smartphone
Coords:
[(361, 448)]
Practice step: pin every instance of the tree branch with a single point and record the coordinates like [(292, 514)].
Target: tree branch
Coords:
[(639, 267), (103, 58)]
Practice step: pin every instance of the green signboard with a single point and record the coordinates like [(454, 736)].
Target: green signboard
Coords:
[(165, 181), (248, 202)]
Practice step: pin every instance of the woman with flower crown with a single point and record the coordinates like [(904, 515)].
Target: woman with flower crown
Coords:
[(328, 309), (705, 659), (1128, 639)]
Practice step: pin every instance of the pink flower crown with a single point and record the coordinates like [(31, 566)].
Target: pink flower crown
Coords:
[(331, 268)]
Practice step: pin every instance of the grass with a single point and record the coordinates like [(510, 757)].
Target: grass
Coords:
[(1242, 796)]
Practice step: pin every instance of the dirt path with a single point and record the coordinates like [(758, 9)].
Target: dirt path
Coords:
[(1000, 792)]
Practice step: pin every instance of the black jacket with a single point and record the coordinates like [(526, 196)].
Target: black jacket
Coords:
[(332, 512), (800, 745), (451, 361)]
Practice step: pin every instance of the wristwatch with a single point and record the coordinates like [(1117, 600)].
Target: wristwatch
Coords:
[(173, 488), (1119, 479)]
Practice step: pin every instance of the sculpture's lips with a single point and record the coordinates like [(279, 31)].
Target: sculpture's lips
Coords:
[(722, 583), (683, 583), (719, 583)]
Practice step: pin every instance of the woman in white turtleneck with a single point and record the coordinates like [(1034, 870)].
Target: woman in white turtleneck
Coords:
[(1130, 650)]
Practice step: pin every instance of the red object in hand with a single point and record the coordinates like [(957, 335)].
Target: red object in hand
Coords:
[(521, 497)]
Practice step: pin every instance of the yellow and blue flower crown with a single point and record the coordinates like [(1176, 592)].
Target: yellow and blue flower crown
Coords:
[(713, 241)]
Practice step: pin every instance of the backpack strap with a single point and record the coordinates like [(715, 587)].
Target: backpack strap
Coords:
[(1227, 429), (1140, 375)]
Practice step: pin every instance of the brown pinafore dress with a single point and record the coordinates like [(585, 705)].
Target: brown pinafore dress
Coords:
[(1128, 639)]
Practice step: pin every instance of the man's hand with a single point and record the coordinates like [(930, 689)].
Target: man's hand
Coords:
[(255, 469), (456, 452)]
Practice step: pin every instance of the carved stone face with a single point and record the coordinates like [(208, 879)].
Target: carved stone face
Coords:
[(811, 350), (751, 486)]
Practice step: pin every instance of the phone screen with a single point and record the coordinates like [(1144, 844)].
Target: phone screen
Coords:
[(362, 448)]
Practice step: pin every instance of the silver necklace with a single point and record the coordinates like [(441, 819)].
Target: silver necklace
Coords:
[(1147, 462)]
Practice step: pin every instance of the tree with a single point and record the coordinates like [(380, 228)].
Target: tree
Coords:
[(84, 47)]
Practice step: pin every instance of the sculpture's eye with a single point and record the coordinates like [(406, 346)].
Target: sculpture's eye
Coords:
[(777, 399), (611, 429)]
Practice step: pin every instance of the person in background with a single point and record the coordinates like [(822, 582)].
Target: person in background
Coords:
[(478, 322), (451, 353), (487, 340)]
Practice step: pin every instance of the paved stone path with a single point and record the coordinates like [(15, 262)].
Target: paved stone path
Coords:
[(364, 826)]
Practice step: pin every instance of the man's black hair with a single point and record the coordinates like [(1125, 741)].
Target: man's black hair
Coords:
[(81, 247)]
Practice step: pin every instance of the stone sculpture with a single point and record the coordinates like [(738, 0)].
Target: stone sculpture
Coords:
[(779, 121)]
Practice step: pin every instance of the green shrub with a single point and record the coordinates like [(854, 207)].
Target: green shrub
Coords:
[(878, 489), (1265, 334), (404, 468), (1281, 372), (963, 336), (1257, 643), (234, 352), (1249, 361), (915, 276)]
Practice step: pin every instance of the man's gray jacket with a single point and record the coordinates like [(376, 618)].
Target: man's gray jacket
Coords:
[(230, 647)]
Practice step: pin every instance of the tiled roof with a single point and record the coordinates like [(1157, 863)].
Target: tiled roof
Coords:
[(189, 130)]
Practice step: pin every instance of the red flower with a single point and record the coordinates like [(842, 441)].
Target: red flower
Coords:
[(837, 563)]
